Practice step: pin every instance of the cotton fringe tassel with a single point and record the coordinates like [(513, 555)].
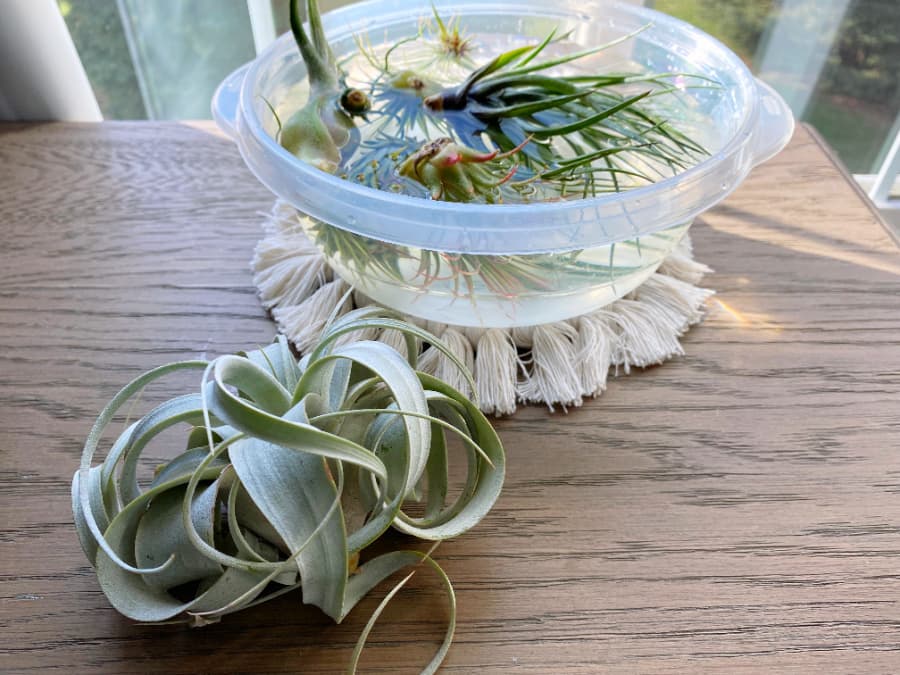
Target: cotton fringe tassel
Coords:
[(557, 364)]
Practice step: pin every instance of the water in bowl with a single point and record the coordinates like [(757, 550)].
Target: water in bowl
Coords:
[(491, 290)]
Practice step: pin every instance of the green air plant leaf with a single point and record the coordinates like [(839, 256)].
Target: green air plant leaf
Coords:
[(287, 472)]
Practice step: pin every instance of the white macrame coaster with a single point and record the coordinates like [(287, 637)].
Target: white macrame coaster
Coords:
[(556, 363)]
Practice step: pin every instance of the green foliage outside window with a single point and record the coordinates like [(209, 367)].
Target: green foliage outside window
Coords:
[(855, 101), (100, 40)]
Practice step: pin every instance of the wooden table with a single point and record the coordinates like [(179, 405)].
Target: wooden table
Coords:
[(734, 510)]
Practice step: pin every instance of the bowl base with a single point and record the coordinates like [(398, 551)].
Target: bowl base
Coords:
[(501, 291)]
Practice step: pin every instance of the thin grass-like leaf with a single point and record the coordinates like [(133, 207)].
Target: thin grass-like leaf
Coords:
[(569, 58), (580, 124), (538, 104), (380, 568)]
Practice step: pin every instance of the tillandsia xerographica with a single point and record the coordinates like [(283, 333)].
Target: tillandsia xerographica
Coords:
[(290, 471)]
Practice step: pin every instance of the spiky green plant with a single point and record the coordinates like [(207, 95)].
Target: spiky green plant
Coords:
[(290, 471), (580, 126), (451, 39)]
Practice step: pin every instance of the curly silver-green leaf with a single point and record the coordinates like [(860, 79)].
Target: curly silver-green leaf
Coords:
[(287, 471)]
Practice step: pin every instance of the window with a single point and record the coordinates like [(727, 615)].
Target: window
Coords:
[(834, 61), (158, 59)]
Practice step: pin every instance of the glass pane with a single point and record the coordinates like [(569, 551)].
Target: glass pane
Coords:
[(737, 23), (160, 59), (100, 40), (857, 98), (182, 49), (835, 61)]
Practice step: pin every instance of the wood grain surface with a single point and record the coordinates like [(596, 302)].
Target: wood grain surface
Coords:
[(736, 510)]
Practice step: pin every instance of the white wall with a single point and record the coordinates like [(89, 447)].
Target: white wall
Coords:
[(41, 77)]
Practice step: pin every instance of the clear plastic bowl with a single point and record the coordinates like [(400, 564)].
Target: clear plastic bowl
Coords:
[(589, 251)]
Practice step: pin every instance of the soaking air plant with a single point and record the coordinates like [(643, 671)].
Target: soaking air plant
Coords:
[(289, 472), (439, 116)]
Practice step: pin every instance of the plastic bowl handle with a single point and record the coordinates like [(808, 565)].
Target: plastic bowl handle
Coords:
[(774, 127), (226, 99)]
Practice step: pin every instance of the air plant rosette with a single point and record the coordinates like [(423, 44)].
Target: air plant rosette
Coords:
[(290, 471)]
